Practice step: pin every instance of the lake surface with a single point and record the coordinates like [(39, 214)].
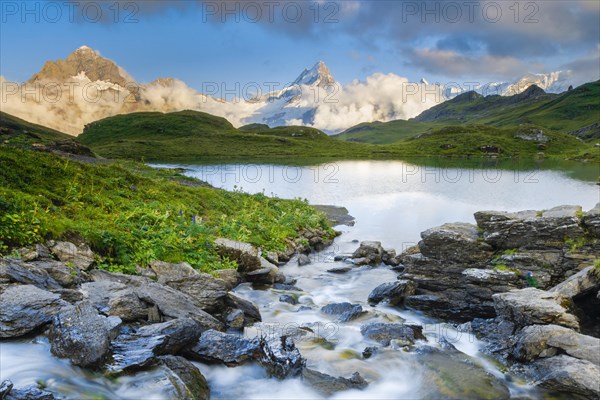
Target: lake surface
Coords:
[(392, 202)]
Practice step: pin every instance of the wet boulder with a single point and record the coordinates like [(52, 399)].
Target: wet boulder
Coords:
[(250, 312), (534, 307), (345, 311), (392, 292), (402, 334), (280, 357), (82, 335), (186, 379), (225, 348), (140, 348), (368, 253), (303, 259), (328, 385), (8, 392), (26, 308)]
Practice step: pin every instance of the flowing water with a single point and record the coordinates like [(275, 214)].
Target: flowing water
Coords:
[(392, 202)]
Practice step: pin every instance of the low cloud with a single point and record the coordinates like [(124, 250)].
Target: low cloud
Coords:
[(452, 63), (382, 97)]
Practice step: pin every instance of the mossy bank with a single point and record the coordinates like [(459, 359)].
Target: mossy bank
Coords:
[(131, 214)]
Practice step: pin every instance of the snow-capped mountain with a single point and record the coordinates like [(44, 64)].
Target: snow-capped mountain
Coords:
[(85, 87), (293, 103), (553, 82)]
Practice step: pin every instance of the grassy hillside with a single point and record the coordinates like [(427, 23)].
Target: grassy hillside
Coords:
[(477, 140), (133, 214), (564, 113), (15, 132), (196, 136)]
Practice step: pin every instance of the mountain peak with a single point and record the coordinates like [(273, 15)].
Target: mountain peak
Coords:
[(83, 60), (318, 75)]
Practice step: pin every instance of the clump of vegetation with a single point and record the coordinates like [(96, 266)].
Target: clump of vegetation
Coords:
[(531, 281), (131, 214), (575, 244)]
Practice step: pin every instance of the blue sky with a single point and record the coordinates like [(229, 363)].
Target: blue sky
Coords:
[(195, 42)]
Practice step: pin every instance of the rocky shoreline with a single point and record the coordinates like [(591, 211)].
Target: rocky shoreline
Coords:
[(526, 283)]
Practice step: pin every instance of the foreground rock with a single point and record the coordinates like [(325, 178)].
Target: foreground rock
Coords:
[(567, 375), (345, 311), (534, 307), (139, 349), (543, 341), (82, 335), (229, 349), (581, 283), (186, 380), (174, 304), (280, 357), (393, 292), (452, 374), (329, 385), (384, 334), (26, 308), (8, 392), (15, 271)]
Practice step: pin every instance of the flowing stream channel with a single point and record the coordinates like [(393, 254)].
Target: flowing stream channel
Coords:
[(392, 202)]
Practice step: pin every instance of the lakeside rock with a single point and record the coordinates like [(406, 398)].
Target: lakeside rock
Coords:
[(368, 253), (457, 268), (532, 306)]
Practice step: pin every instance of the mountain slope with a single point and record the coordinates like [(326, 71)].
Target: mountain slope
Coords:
[(193, 137), (568, 112), (15, 132)]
